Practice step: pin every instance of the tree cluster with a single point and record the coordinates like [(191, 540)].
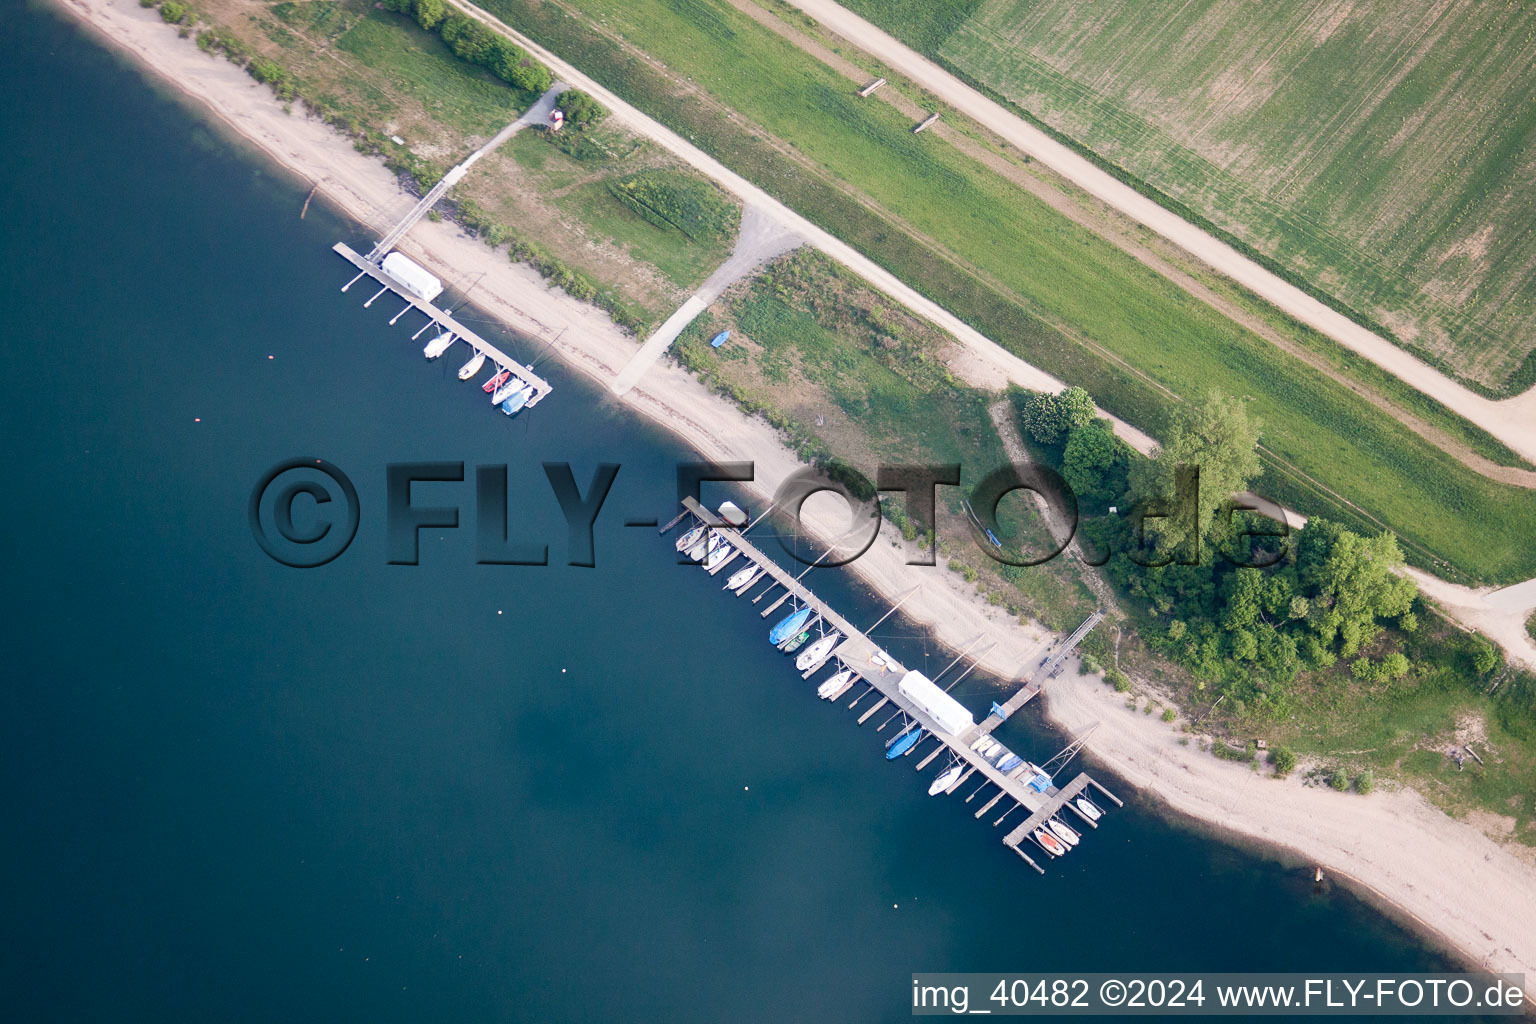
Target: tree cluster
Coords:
[(473, 42)]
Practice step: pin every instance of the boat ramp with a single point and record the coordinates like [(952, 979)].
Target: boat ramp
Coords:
[(915, 702)]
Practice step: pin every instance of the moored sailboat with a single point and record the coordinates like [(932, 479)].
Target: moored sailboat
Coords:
[(946, 778)]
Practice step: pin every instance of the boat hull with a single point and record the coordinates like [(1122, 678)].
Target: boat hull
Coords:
[(904, 744)]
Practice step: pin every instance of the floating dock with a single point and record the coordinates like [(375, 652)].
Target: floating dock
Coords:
[(881, 672), (537, 385)]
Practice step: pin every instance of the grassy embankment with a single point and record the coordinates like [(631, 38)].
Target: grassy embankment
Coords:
[(1047, 289), (551, 200), (818, 354), (1381, 155)]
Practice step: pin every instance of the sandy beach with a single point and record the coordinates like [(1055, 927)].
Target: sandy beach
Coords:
[(1479, 896)]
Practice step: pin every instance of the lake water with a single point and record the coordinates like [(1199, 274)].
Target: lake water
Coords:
[(239, 791)]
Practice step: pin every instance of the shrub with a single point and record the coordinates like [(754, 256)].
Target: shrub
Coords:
[(1486, 658), (1169, 715), (172, 12), (1365, 782), (1284, 760), (1338, 780), (580, 109), (1090, 664), (1118, 679), (429, 13), (1530, 625), (270, 72), (1049, 418)]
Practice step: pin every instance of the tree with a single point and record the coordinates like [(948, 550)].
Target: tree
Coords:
[(1284, 760), (580, 109), (1094, 463), (1215, 436), (429, 13), (1485, 656), (1365, 782), (1352, 583), (1050, 417)]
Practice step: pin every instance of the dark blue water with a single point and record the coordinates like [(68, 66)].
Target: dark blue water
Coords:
[(237, 791)]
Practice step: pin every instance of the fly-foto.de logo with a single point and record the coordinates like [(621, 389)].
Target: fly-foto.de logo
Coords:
[(304, 513)]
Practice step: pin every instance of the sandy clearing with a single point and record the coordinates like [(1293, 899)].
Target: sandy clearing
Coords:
[(1481, 897), (1511, 420)]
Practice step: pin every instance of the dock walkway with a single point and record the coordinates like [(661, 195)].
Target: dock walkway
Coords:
[(883, 673)]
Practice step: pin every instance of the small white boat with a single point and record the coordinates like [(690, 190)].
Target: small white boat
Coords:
[(507, 390), (1090, 812), (740, 578), (817, 651), (987, 747), (946, 779), (830, 689), (717, 556), (438, 345), (981, 741), (1063, 833), (472, 367), (690, 538)]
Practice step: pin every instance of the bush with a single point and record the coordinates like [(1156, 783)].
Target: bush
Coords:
[(1090, 664), (1118, 679), (580, 109), (1365, 782), (1049, 418), (1530, 625), (1486, 657), (172, 12), (270, 72), (1169, 714), (429, 13), (1284, 760), (1338, 780)]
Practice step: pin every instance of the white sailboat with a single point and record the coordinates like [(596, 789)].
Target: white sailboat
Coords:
[(690, 538), (946, 778), (740, 578), (472, 367), (820, 649), (1090, 811), (1063, 832), (507, 390), (438, 345), (717, 556), (833, 686)]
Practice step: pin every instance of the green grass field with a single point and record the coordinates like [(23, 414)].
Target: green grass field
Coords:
[(1059, 296), (1384, 151)]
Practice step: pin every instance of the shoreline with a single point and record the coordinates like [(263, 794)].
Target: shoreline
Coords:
[(1442, 877)]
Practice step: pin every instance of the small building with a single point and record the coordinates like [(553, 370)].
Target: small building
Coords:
[(416, 279), (948, 713)]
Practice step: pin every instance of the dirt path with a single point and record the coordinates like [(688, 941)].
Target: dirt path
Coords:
[(1512, 421)]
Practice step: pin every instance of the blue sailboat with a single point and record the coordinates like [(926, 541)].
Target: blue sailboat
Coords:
[(788, 626), (904, 743)]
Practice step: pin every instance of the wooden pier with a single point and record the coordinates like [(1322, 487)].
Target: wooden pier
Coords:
[(538, 386), (883, 673)]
